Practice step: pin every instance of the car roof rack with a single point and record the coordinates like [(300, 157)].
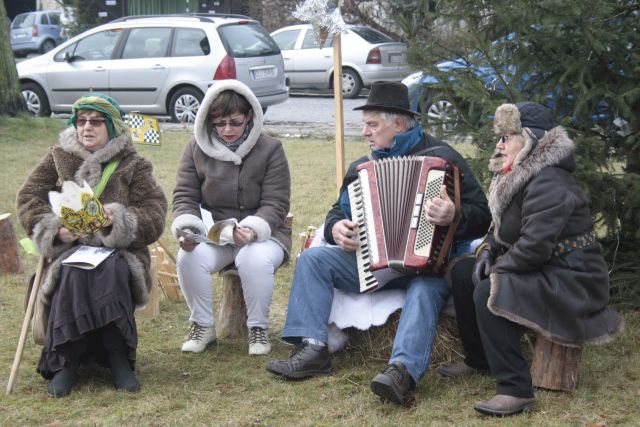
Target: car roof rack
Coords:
[(202, 17)]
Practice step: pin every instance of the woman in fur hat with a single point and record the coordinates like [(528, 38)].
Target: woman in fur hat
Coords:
[(90, 312), (541, 267), (231, 169)]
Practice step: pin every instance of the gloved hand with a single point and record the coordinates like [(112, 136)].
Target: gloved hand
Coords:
[(481, 268)]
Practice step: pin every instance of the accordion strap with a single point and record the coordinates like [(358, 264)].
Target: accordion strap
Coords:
[(454, 225)]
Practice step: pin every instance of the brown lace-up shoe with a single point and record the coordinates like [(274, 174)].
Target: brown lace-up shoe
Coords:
[(502, 405), (307, 360), (393, 384)]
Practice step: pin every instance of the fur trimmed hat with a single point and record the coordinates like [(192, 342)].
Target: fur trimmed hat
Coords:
[(529, 119), (512, 118)]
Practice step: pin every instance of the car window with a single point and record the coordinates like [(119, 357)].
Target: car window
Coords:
[(286, 40), (146, 43), (311, 40), (54, 18), (98, 46), (44, 19), (24, 20), (191, 42), (371, 35), (247, 40)]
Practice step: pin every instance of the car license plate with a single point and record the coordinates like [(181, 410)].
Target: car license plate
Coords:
[(263, 73), (395, 58)]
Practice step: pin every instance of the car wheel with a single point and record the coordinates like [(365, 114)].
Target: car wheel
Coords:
[(184, 105), (36, 100), (443, 115), (351, 85), (47, 46)]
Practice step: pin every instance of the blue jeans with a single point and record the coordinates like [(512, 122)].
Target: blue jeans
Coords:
[(320, 269)]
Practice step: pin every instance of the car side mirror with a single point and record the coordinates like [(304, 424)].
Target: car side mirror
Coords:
[(67, 57)]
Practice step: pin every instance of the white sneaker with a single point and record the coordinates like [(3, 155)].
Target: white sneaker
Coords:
[(258, 342), (199, 338)]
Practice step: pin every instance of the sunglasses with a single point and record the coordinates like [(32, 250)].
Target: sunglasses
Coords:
[(232, 123), (94, 122)]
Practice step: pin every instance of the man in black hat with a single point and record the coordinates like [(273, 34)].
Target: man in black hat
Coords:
[(391, 130)]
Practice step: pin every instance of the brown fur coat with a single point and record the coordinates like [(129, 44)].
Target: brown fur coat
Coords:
[(138, 203)]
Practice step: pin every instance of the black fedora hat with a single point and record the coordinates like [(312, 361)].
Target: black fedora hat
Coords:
[(388, 96)]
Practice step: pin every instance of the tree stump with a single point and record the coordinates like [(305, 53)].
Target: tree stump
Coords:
[(555, 367), (9, 255), (232, 319)]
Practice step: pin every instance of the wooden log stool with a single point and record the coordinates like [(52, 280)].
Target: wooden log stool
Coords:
[(555, 367), (9, 254), (232, 317)]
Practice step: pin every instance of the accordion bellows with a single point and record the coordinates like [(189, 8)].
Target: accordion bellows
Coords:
[(387, 203)]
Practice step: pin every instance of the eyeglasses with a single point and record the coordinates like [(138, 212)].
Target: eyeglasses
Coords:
[(94, 122), (232, 123)]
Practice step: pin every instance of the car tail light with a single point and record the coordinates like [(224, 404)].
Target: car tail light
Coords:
[(34, 31), (226, 69), (374, 56)]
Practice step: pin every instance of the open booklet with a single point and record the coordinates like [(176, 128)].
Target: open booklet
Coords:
[(87, 257), (221, 233)]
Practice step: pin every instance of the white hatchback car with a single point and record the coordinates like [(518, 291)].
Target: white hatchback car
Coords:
[(368, 56), (156, 64)]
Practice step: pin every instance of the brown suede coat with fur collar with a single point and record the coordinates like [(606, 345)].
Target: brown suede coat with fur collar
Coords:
[(252, 184), (563, 297), (138, 203)]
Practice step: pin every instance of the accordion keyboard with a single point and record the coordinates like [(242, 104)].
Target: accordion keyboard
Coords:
[(424, 237), (367, 249)]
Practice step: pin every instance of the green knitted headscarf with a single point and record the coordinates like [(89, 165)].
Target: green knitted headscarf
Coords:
[(113, 114)]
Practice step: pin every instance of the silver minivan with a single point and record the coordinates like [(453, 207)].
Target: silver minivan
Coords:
[(156, 64), (36, 32)]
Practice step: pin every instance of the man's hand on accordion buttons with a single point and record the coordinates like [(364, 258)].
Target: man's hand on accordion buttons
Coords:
[(440, 210), (344, 236)]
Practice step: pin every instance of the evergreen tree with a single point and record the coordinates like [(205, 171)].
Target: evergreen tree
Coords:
[(582, 59)]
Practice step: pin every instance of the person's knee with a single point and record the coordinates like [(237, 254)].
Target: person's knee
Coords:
[(481, 295), (428, 290)]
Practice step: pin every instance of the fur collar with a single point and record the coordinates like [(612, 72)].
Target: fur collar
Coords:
[(551, 149), (209, 144), (91, 168)]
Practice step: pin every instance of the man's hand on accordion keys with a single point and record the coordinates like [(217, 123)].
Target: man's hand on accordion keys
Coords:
[(344, 236), (440, 210)]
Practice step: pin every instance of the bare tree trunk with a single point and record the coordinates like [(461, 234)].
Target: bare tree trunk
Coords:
[(11, 101)]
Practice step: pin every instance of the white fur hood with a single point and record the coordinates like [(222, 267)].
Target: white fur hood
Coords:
[(207, 142)]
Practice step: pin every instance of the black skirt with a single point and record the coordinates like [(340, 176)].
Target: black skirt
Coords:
[(84, 302)]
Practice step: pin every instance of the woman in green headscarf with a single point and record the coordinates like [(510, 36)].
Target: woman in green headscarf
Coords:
[(84, 313)]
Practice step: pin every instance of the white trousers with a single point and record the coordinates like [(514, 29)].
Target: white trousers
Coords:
[(256, 263)]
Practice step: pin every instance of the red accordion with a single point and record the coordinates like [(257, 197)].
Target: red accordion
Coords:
[(387, 203)]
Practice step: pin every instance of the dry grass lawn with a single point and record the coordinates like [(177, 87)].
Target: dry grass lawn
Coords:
[(224, 386)]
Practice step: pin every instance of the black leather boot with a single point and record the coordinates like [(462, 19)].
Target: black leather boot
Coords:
[(308, 360), (64, 380), (121, 373)]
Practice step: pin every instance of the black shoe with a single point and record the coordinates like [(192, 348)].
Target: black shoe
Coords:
[(121, 372), (64, 380), (393, 384), (460, 369), (308, 360)]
